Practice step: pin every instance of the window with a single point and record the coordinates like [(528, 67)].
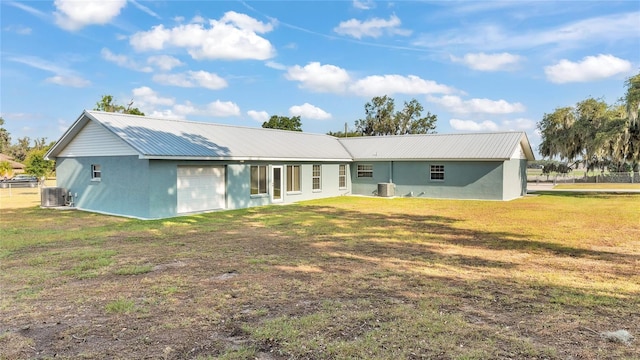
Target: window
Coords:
[(316, 177), (293, 178), (437, 172), (258, 179), (342, 177), (96, 174), (365, 171)]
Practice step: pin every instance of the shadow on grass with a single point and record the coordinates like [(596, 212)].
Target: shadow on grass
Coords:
[(595, 194), (414, 234)]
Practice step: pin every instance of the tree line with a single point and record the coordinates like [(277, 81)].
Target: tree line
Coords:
[(32, 156), (601, 136), (381, 118)]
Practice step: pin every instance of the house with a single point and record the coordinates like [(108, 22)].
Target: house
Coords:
[(153, 168), (16, 167)]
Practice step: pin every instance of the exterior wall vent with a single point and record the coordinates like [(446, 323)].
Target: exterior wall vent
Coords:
[(53, 196), (386, 189)]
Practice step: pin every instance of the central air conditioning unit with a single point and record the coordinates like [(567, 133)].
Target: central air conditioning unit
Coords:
[(53, 196), (386, 189)]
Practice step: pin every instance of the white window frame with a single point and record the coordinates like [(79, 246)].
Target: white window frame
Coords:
[(342, 176), (316, 177), (261, 170), (96, 172), (294, 179), (365, 171), (436, 172)]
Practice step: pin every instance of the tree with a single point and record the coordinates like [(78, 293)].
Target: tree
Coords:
[(5, 138), (36, 165), (628, 143), (6, 170), (283, 123), (20, 150), (107, 104), (382, 120), (601, 135), (584, 133)]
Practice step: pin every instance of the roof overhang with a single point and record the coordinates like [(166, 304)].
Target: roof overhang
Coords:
[(240, 158), (430, 159)]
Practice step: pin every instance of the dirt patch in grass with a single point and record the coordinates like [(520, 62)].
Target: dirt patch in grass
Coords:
[(537, 278)]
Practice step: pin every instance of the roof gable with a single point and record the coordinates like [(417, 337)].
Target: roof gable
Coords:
[(94, 140)]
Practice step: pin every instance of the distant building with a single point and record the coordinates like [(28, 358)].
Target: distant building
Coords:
[(17, 168)]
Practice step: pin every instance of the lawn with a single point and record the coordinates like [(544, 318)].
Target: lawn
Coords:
[(543, 277)]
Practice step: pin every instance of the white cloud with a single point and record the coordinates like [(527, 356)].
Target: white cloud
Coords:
[(123, 61), (321, 78), (19, 29), (222, 108), (309, 111), (275, 65), (145, 96), (192, 79), (69, 80), (364, 4), (145, 9), (151, 103), (489, 37), (375, 28), (208, 80), (246, 22), (173, 80), (233, 37), (73, 14), (164, 62), (165, 114), (260, 116), (520, 124), (489, 62), (477, 106), (62, 75), (589, 69), (470, 125), (378, 85)]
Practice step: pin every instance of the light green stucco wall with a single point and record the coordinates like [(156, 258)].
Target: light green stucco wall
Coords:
[(147, 189), (120, 190), (515, 179), (463, 179)]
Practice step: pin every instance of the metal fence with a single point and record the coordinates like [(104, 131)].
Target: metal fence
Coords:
[(589, 178)]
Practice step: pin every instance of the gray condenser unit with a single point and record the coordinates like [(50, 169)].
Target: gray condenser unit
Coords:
[(53, 196), (386, 189)]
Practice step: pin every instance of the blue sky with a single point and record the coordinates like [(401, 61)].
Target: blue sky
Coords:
[(478, 65)]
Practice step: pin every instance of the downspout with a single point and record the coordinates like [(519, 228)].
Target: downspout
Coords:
[(391, 172)]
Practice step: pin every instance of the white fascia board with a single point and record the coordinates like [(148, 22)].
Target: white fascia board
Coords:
[(431, 159), (248, 158)]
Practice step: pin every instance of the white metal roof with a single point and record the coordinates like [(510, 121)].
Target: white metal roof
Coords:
[(158, 138), (471, 146)]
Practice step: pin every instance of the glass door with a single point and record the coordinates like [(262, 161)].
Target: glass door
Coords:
[(276, 184)]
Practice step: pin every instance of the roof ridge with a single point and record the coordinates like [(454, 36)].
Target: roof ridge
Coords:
[(433, 135), (185, 121)]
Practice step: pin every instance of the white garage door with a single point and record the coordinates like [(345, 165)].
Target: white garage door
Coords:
[(200, 188)]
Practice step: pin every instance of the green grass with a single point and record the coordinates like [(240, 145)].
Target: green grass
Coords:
[(341, 278), (120, 306)]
